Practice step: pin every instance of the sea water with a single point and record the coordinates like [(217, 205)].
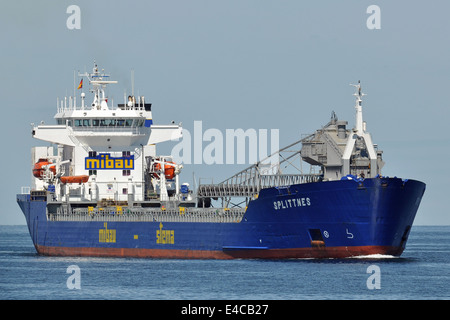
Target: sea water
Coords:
[(422, 272)]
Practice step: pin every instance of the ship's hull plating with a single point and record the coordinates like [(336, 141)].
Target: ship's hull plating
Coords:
[(332, 219)]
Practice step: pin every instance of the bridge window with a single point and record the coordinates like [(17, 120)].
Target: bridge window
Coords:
[(106, 122)]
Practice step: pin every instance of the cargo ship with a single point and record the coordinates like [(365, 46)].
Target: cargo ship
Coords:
[(99, 188)]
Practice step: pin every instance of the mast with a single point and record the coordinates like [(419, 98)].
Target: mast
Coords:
[(359, 127), (98, 82), (359, 133)]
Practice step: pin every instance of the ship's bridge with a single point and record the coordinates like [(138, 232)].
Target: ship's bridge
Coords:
[(102, 123), (106, 127)]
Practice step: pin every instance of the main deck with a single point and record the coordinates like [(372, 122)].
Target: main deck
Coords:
[(140, 214)]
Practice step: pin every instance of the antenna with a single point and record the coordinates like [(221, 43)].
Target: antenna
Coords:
[(132, 82), (358, 92), (74, 83)]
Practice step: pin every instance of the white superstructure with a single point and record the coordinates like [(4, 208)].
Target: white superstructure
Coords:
[(112, 147)]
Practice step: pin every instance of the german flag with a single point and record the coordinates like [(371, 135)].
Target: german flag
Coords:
[(81, 84)]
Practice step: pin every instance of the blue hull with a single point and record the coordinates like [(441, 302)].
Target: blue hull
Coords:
[(320, 220)]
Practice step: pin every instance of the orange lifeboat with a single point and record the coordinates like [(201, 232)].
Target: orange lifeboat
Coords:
[(169, 170), (74, 179), (38, 170)]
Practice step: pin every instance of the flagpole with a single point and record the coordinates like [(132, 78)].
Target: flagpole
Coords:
[(74, 96)]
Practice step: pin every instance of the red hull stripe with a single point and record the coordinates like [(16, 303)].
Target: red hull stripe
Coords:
[(323, 252)]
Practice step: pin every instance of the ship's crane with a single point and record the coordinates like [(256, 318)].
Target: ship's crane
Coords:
[(336, 150)]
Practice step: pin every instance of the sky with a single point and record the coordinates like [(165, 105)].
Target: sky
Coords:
[(259, 64)]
